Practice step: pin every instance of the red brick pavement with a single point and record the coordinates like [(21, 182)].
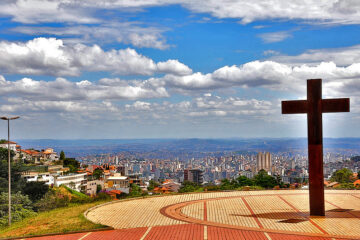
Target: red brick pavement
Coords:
[(177, 232), (74, 236), (215, 233), (126, 234), (181, 232)]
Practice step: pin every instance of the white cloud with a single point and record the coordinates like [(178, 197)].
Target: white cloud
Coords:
[(53, 57), (23, 105), (270, 52), (64, 90), (274, 36), (265, 74), (212, 106), (124, 32), (341, 56), (311, 11), (174, 66), (36, 11), (50, 56)]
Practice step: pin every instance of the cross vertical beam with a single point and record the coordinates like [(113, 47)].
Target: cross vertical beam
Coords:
[(315, 148), (314, 106)]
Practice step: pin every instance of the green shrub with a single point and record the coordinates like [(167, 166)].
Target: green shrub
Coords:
[(101, 196), (346, 186), (21, 208), (52, 199), (35, 190)]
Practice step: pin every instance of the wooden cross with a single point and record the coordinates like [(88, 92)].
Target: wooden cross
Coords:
[(314, 106)]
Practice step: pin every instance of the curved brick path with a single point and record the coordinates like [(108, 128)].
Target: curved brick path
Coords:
[(227, 215)]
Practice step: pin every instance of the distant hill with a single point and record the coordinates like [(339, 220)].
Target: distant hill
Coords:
[(77, 148)]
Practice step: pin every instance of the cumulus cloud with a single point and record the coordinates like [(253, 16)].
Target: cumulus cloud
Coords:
[(311, 11), (24, 105), (211, 106), (264, 74), (50, 56), (125, 32), (174, 66), (36, 11), (252, 74), (341, 56), (64, 90)]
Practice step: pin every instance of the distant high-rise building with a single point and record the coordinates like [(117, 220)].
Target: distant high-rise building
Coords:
[(123, 170), (193, 175), (263, 161), (293, 165)]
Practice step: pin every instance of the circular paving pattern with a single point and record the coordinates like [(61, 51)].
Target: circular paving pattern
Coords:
[(267, 212)]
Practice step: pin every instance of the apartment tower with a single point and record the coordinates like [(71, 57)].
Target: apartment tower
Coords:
[(263, 161)]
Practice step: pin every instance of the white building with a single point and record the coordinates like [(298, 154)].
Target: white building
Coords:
[(118, 182), (74, 181), (39, 177), (91, 187), (50, 155), (5, 145)]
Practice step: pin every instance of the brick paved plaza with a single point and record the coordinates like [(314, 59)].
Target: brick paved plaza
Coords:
[(282, 214)]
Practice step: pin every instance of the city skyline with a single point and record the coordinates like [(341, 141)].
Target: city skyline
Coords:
[(184, 69)]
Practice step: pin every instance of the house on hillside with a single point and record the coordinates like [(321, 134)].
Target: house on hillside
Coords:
[(4, 144), (46, 177), (31, 156), (117, 182), (49, 155), (74, 181), (91, 187), (171, 186)]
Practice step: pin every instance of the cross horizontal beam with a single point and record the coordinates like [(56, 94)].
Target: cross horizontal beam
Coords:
[(327, 106), (335, 105), (294, 106)]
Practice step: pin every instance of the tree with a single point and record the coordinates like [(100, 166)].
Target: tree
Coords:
[(98, 173), (153, 184), (21, 207), (35, 190), (16, 168), (72, 163), (62, 156), (342, 176), (4, 154), (227, 185), (98, 188), (188, 186), (358, 175), (244, 181), (52, 199), (264, 180), (135, 191)]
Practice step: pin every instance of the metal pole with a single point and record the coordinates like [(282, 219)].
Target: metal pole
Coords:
[(9, 160)]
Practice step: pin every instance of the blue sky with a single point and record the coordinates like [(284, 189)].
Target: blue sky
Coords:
[(178, 69)]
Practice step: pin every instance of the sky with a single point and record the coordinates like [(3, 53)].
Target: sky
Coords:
[(175, 69)]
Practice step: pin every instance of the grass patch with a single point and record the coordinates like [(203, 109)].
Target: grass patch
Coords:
[(60, 220), (76, 193)]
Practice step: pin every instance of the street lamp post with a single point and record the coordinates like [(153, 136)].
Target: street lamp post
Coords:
[(9, 162)]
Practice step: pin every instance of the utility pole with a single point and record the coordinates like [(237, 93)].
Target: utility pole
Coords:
[(9, 162)]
